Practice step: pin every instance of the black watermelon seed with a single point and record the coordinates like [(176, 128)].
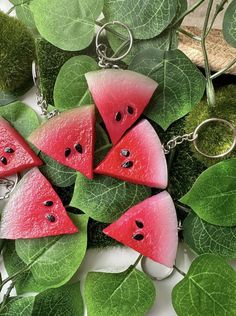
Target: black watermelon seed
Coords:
[(67, 152), (48, 203), (125, 152), (79, 148), (118, 116), (51, 218), (139, 224), (130, 109), (3, 160), (9, 150), (127, 164), (138, 237)]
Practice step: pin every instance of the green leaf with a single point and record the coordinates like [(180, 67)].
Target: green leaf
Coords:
[(18, 307), (168, 39), (104, 198), (229, 24), (161, 42), (182, 7), (127, 293), (71, 87), (50, 261), (63, 301), (24, 14), (25, 281), (209, 288), (102, 145), (19, 2), (7, 97), (70, 25), (101, 153), (181, 84), (213, 195), (21, 116), (146, 19), (101, 137), (56, 173), (203, 237)]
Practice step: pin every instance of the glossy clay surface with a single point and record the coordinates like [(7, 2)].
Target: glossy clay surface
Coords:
[(113, 90), (65, 131), (22, 158), (146, 154), (25, 215), (158, 216)]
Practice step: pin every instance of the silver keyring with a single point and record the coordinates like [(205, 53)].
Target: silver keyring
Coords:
[(102, 53), (229, 150), (11, 187)]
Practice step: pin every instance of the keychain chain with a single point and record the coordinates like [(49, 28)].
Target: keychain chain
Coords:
[(193, 136), (177, 140), (41, 102), (102, 57), (9, 184), (101, 48)]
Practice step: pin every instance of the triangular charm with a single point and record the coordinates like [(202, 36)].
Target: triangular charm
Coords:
[(15, 153), (69, 138), (150, 228), (34, 210), (137, 158), (121, 97)]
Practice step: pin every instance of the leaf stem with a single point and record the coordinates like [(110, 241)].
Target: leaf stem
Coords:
[(137, 261), (6, 296), (120, 48), (183, 15), (171, 158), (180, 271), (189, 34), (10, 10), (112, 31), (2, 245), (209, 87), (170, 39), (15, 275), (182, 207), (217, 74), (28, 266), (102, 148), (219, 8), (16, 5)]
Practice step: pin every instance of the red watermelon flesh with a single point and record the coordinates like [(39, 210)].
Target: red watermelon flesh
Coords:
[(150, 228), (121, 97), (69, 138), (15, 153), (34, 210), (137, 158)]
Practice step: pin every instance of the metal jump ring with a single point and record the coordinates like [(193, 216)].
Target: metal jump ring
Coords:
[(229, 150), (101, 53), (6, 196)]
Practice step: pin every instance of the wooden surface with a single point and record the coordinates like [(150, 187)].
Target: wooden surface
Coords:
[(197, 17)]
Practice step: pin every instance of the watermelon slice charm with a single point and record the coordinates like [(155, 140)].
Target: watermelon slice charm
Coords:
[(15, 153), (138, 158), (34, 210), (69, 138), (120, 96), (150, 228)]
